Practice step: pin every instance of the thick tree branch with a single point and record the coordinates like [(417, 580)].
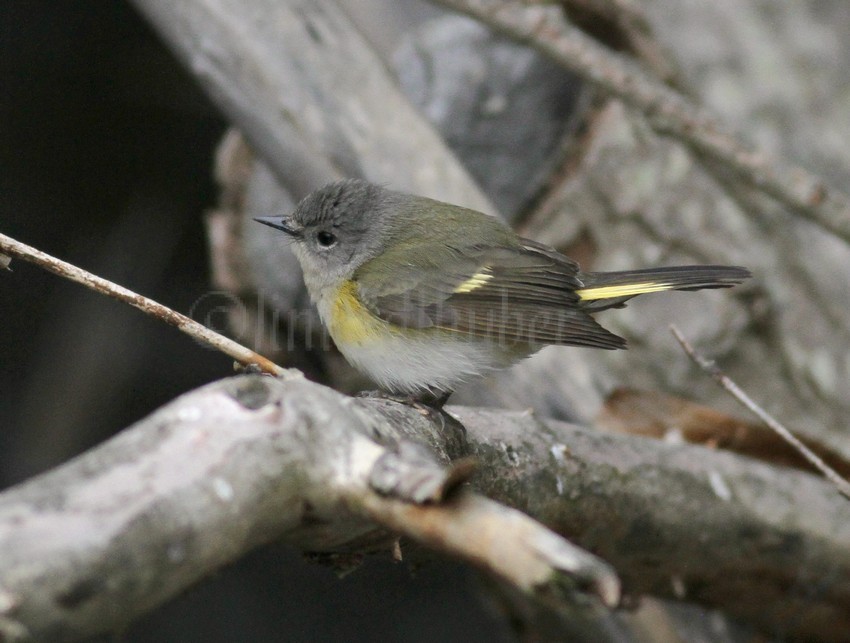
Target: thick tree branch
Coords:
[(238, 463), (767, 545), (106, 537), (309, 94), (544, 28)]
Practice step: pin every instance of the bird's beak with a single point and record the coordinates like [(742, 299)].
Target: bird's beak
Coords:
[(284, 223)]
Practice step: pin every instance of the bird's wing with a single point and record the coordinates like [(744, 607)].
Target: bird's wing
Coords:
[(525, 293)]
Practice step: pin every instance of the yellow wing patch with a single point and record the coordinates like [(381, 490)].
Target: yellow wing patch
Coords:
[(622, 290), (475, 281)]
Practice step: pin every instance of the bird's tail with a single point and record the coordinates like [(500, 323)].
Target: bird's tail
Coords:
[(611, 289)]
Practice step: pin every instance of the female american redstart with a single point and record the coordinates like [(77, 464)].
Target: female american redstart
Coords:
[(422, 295)]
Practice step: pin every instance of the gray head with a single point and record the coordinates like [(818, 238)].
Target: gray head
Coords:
[(337, 228)]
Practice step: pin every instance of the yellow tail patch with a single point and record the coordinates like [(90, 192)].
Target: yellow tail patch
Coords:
[(622, 290)]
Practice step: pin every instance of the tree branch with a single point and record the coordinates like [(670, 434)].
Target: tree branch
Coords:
[(115, 532), (309, 95), (545, 29), (197, 331), (747, 402), (241, 462), (767, 545)]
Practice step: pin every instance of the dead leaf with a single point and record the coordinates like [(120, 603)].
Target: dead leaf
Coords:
[(661, 416)]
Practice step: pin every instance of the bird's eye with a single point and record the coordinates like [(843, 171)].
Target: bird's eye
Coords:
[(325, 238)]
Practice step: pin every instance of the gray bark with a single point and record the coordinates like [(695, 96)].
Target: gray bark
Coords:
[(108, 536), (309, 94)]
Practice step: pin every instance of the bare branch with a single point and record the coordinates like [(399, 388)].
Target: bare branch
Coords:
[(183, 323), (309, 94), (251, 459), (726, 382), (668, 417), (501, 540), (763, 544), (97, 542), (544, 28), (634, 33)]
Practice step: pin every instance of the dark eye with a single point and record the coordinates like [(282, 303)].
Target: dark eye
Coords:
[(325, 238)]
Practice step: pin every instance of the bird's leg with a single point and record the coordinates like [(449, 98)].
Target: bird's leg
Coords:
[(434, 400), (431, 407), (425, 403)]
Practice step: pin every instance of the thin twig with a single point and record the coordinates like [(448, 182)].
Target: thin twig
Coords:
[(546, 29), (241, 354), (726, 382)]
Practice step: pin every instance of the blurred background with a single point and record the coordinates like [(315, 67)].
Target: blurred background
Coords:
[(106, 156)]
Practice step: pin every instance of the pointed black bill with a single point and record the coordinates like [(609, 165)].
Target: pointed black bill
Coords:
[(280, 223)]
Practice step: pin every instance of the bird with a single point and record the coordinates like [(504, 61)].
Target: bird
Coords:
[(422, 295)]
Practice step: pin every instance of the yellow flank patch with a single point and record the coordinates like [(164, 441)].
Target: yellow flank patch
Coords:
[(622, 290), (475, 281), (350, 321)]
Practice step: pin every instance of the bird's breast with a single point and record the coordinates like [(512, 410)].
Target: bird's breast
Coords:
[(348, 321)]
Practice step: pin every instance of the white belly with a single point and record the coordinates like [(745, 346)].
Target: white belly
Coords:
[(428, 363), (410, 360)]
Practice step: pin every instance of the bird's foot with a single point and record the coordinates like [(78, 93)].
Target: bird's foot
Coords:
[(425, 403)]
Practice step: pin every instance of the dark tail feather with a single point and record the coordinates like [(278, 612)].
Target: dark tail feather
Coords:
[(610, 289)]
